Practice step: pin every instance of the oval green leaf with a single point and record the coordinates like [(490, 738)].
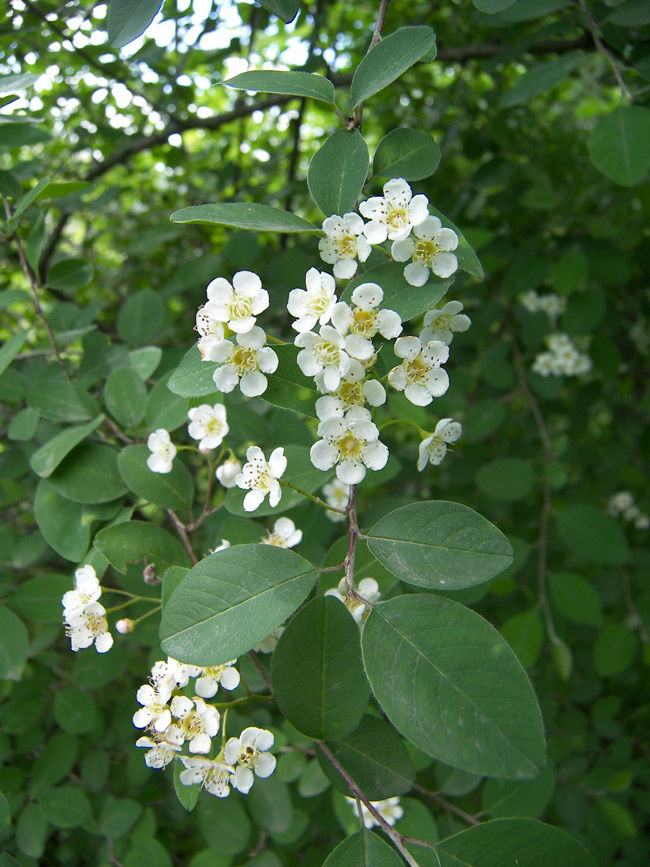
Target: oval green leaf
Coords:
[(244, 215), (506, 479), (288, 387), (69, 274), (65, 806), (406, 153), (363, 849), (541, 78), (193, 376), (61, 522), (389, 59), (14, 644), (125, 395), (39, 599), (128, 19), (451, 684), (317, 673), (173, 490), (439, 545), (46, 459), (618, 145), (592, 535), (338, 172), (280, 81), (89, 474), (231, 601), (134, 541)]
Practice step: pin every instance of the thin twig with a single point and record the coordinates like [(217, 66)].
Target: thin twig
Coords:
[(376, 36), (313, 498), (600, 46), (451, 808), (354, 533), (258, 665), (182, 532)]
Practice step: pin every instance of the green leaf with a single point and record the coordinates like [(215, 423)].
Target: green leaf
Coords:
[(10, 84), (119, 815), (231, 601), (59, 190), (23, 425), (524, 842), (529, 10), (524, 632), (134, 541), (614, 650), (173, 490), (128, 19), (363, 849), (289, 387), (575, 598), (58, 757), (409, 301), (46, 459), (279, 81), (70, 274), (338, 172), (9, 184), (125, 395), (439, 545), (145, 361), (29, 197), (89, 474), (592, 535), (61, 522), (65, 806), (506, 479), (75, 711), (32, 830), (406, 153), (164, 408), (284, 9), (375, 757), (244, 215), (269, 804), (527, 799), (631, 13), (59, 400), (39, 599), (188, 796), (428, 658), (541, 78), (142, 317), (317, 674), (618, 817), (618, 145), (224, 825), (467, 258), (5, 821), (10, 349), (389, 59), (14, 644), (483, 419), (492, 6), (193, 376)]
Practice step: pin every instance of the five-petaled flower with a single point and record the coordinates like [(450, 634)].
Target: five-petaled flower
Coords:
[(283, 535), (163, 451), (395, 214), (441, 324), (208, 425), (249, 754), (160, 752), (89, 626), (430, 250), (364, 320), (260, 477), (351, 442), (420, 376), (154, 712), (323, 353), (343, 244), (433, 448), (237, 305), (213, 775), (194, 721), (315, 303), (86, 590), (208, 683), (389, 809), (245, 362)]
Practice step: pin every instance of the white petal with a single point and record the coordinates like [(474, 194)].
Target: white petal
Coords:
[(323, 455), (442, 265), (253, 383), (351, 472), (267, 359), (375, 455), (265, 765), (225, 378), (345, 269), (375, 232), (401, 251), (418, 395), (252, 500), (447, 239), (417, 273), (230, 678), (368, 296)]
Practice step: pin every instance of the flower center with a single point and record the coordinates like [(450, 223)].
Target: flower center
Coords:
[(240, 308), (319, 302), (346, 246), (213, 427), (425, 251), (243, 358), (351, 393), (363, 322), (417, 370), (442, 322), (349, 446), (327, 352), (396, 217)]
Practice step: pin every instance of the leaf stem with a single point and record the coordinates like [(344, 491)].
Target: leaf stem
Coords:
[(313, 498)]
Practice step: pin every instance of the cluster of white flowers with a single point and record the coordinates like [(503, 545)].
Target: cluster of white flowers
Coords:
[(84, 617), (337, 495), (562, 359), (398, 216), (367, 587), (622, 505), (551, 304), (389, 809)]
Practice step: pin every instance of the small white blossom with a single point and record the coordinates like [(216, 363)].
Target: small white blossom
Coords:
[(420, 375), (208, 425), (355, 389), (430, 251), (324, 352), (618, 503), (551, 304), (163, 451), (395, 214), (88, 627), (315, 303), (227, 472), (260, 477), (214, 776), (642, 522), (125, 626), (245, 363), (367, 587), (195, 721), (208, 683), (160, 752), (344, 244), (351, 442), (154, 712), (167, 676), (441, 324), (284, 534), (209, 329), (86, 590), (632, 513), (389, 809), (365, 320), (267, 645), (562, 359), (249, 754), (336, 494), (222, 546), (434, 448), (237, 305)]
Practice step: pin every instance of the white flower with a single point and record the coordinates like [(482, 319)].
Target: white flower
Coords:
[(247, 361), (197, 722), (213, 775), (87, 590), (154, 712), (239, 304), (618, 503), (267, 645), (260, 478), (160, 752), (434, 448), (441, 324), (249, 753), (166, 676), (208, 683), (323, 352), (394, 215), (87, 627), (163, 451), (284, 534), (208, 424), (368, 588), (343, 244), (355, 389), (351, 442), (209, 329), (315, 304), (228, 472), (563, 358), (553, 305), (336, 494), (221, 547), (642, 522), (365, 320), (431, 251), (125, 626), (389, 810), (420, 376)]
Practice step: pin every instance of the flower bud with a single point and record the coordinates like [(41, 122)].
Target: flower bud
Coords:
[(125, 626)]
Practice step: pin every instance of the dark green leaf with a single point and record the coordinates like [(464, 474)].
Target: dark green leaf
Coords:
[(39, 599), (284, 9), (61, 189), (89, 474), (29, 197), (46, 459), (59, 400), (188, 796), (296, 83), (244, 215), (65, 806), (193, 376), (506, 479), (389, 59), (231, 601), (142, 317), (75, 711), (125, 395), (289, 387), (618, 145), (524, 632), (269, 803), (32, 830), (61, 522), (14, 643), (70, 274), (134, 541), (492, 6), (631, 13), (575, 598), (540, 79), (11, 349), (592, 535), (9, 184), (338, 172), (363, 849), (614, 650), (118, 815), (529, 10), (173, 490), (128, 19), (23, 425), (406, 153), (164, 408), (527, 800)]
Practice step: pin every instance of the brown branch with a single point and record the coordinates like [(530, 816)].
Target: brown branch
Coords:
[(182, 532), (258, 665), (601, 48), (451, 808), (376, 36), (354, 533)]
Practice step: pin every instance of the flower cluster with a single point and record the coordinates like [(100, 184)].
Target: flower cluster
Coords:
[(551, 304), (84, 617), (562, 358), (389, 809), (622, 505), (418, 237)]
